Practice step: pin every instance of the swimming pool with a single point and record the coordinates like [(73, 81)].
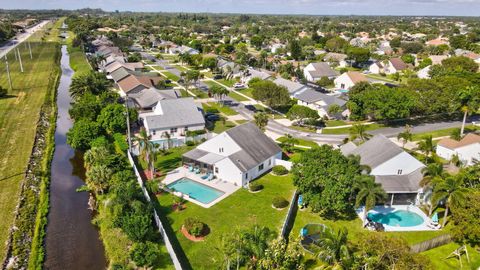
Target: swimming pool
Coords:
[(195, 190), (398, 218)]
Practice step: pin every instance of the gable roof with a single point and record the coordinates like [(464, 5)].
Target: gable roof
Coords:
[(375, 151), (258, 74), (120, 74), (291, 86), (356, 77), (398, 63), (175, 113), (453, 144), (335, 57), (311, 96), (147, 98), (404, 183), (322, 69), (132, 81)]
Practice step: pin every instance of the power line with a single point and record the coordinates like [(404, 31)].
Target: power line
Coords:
[(8, 72)]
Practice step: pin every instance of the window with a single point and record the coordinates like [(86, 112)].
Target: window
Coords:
[(173, 130), (220, 150), (260, 167), (153, 132), (216, 169), (246, 176), (399, 172), (269, 162), (186, 129)]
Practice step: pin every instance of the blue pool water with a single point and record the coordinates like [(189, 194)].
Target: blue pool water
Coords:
[(399, 218), (195, 190)]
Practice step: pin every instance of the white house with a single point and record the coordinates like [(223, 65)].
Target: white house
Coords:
[(182, 49), (336, 58), (398, 172), (424, 73), (315, 71), (255, 73), (348, 79), (238, 155), (320, 102), (291, 86), (467, 149), (173, 117), (376, 68), (394, 65)]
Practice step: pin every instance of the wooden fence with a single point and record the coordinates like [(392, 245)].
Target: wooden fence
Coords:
[(431, 243), (292, 211)]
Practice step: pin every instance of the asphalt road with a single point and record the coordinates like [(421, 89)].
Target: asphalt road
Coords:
[(20, 37)]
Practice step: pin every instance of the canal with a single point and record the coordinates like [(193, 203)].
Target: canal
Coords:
[(72, 241)]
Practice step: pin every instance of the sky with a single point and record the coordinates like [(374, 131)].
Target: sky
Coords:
[(314, 7)]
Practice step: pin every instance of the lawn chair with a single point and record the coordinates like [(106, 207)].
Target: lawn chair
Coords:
[(190, 168), (210, 177), (206, 176)]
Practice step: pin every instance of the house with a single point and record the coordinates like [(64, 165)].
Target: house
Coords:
[(394, 65), (320, 102), (348, 79), (437, 59), (424, 73), (467, 149), (149, 98), (137, 66), (398, 172), (135, 83), (339, 59), (291, 86), (315, 71), (238, 155), (437, 42), (255, 73), (171, 119), (228, 66), (275, 47), (376, 68), (182, 49)]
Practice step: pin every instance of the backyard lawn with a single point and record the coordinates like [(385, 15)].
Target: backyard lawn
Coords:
[(240, 210), (346, 130), (438, 257), (237, 97), (216, 106), (301, 142), (19, 112)]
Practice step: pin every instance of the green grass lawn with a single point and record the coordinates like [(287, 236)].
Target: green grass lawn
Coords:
[(335, 123), (19, 113), (240, 210), (169, 161), (304, 129), (442, 132), (219, 126), (237, 97), (199, 93), (346, 130), (301, 142), (171, 76), (380, 77), (246, 91), (179, 67), (226, 82), (438, 257), (222, 109)]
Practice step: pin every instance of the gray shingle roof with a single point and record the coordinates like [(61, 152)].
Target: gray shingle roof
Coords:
[(375, 151), (407, 183), (256, 146), (311, 96), (176, 113), (258, 74), (120, 74), (322, 69), (292, 87)]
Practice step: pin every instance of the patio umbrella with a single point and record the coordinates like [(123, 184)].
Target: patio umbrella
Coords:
[(435, 217), (303, 232), (300, 200)]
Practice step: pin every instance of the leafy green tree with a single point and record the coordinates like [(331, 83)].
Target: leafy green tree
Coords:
[(218, 91), (257, 41), (112, 118), (82, 134), (333, 248), (261, 120), (408, 58), (360, 87), (255, 241), (145, 254), (411, 47), (369, 193), (295, 49), (359, 55), (450, 190), (325, 177), (469, 100), (359, 131), (464, 216), (93, 82), (137, 222), (301, 112), (289, 143), (459, 42), (270, 93), (324, 82), (281, 256), (459, 64), (336, 44), (425, 63), (406, 135), (98, 177), (396, 42), (426, 146), (334, 109), (147, 149), (209, 62)]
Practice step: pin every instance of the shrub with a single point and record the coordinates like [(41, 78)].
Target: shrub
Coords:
[(279, 202), (279, 170), (3, 92), (190, 143), (194, 226), (211, 110), (254, 186)]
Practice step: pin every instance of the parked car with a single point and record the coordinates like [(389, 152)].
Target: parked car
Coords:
[(168, 81), (251, 108), (213, 118), (209, 114), (217, 77), (239, 86)]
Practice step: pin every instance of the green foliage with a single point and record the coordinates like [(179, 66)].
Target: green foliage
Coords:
[(301, 112), (408, 58), (324, 82), (209, 62), (425, 63), (279, 255), (112, 118), (279, 170), (145, 254), (336, 44), (411, 47), (270, 93), (261, 120), (326, 178), (359, 55), (121, 145), (295, 49), (255, 186), (3, 91), (464, 216), (93, 82), (194, 226), (82, 134), (289, 143), (134, 57), (279, 202)]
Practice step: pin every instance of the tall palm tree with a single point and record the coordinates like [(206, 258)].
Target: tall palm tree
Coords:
[(333, 248), (406, 135), (146, 149), (98, 177), (469, 99), (426, 146), (359, 131), (256, 242), (432, 171), (369, 193), (450, 190), (95, 156)]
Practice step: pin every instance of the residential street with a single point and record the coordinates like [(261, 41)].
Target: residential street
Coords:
[(19, 38)]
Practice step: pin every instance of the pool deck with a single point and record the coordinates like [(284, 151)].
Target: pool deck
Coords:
[(411, 208), (181, 172)]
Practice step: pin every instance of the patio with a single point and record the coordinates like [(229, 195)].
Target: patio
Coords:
[(221, 185)]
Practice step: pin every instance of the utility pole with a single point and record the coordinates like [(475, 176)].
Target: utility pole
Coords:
[(8, 72), (30, 48), (20, 58), (128, 126), (15, 52)]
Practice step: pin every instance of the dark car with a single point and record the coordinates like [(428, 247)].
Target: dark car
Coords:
[(217, 77), (209, 114), (213, 118), (251, 108), (168, 81)]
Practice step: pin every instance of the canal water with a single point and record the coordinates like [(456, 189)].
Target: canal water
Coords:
[(72, 241)]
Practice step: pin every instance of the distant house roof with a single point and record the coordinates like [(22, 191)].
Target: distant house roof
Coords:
[(258, 74), (436, 42), (132, 81), (311, 96), (322, 69), (174, 113), (375, 151), (437, 59), (453, 144), (148, 98), (398, 63), (356, 77), (291, 86), (120, 74), (335, 57)]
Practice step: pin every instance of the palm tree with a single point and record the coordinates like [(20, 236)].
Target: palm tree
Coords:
[(93, 82), (369, 193), (406, 135), (432, 171), (256, 242), (426, 146), (261, 120), (146, 149), (469, 99), (95, 156), (98, 177), (450, 190), (333, 248), (359, 131)]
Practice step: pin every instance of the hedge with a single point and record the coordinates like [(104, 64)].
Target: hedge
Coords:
[(279, 202), (279, 170)]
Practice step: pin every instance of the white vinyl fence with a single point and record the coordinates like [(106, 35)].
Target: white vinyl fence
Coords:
[(160, 226)]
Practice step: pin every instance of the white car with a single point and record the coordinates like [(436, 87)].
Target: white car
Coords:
[(238, 86)]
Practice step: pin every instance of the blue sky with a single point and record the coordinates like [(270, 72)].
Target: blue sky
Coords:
[(320, 7)]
